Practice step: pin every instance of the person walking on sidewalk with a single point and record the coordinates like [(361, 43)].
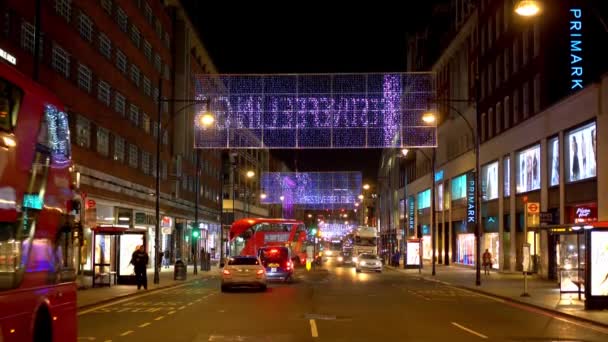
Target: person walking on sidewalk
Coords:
[(487, 261), (139, 260)]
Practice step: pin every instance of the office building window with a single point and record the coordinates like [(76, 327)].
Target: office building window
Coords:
[(84, 78), (135, 74), (525, 98), (105, 46), (536, 93), (133, 156), (145, 163), (121, 61), (135, 35), (491, 120), (148, 14), (134, 114), (507, 63), (158, 63), (119, 149), (103, 92), (163, 169), (507, 113), (64, 9), (499, 118), (61, 61), (484, 119), (145, 122), (516, 113), (147, 86), (147, 50), (536, 41), (27, 37), (122, 20), (120, 104), (103, 141), (85, 27), (515, 55), (83, 131), (107, 6)]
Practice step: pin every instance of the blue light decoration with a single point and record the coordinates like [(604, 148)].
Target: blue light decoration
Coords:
[(313, 190), (329, 111), (576, 49), (58, 134), (32, 201), (411, 212), (335, 230)]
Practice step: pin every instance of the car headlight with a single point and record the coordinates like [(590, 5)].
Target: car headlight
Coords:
[(355, 259), (340, 258), (328, 253)]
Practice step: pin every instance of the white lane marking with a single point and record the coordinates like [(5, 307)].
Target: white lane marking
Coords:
[(85, 338), (159, 318), (126, 333), (107, 341), (313, 328), (469, 330), (171, 312), (181, 307), (190, 303), (144, 325), (129, 299)]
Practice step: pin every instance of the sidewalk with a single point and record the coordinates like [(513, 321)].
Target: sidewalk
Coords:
[(89, 296), (544, 294)]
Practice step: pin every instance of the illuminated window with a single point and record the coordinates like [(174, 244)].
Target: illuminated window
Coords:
[(507, 176), (64, 8), (103, 92), (61, 61), (83, 131), (145, 122), (105, 46), (85, 78), (85, 27), (119, 149), (103, 141)]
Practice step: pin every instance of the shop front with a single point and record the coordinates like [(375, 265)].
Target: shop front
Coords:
[(144, 221)]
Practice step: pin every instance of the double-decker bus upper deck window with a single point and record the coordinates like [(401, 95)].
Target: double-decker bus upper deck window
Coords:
[(10, 101)]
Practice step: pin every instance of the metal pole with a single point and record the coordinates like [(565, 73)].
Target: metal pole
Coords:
[(157, 213), (37, 29), (477, 143), (433, 236), (196, 198)]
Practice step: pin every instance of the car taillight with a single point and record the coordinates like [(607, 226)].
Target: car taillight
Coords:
[(226, 272), (260, 272)]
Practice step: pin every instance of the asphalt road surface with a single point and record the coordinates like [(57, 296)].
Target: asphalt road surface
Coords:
[(329, 304)]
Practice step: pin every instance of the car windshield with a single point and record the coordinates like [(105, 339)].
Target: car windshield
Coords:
[(368, 256), (273, 254), (243, 261)]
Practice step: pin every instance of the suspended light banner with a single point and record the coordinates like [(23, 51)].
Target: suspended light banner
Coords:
[(315, 190), (328, 111)]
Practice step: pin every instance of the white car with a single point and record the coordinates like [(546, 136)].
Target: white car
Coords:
[(243, 271), (368, 262)]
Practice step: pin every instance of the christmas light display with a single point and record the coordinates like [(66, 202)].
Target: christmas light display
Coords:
[(316, 111), (314, 190), (57, 134), (331, 230)]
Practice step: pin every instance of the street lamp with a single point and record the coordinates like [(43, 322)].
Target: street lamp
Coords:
[(404, 152), (528, 8), (360, 197), (250, 174), (429, 117), (365, 186), (263, 196)]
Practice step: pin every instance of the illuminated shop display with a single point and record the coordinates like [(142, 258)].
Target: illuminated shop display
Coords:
[(528, 169), (580, 153), (489, 174), (465, 249), (315, 111)]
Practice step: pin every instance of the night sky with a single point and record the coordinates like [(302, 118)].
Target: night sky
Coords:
[(365, 37)]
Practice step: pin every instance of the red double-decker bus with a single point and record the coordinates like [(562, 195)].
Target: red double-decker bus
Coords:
[(37, 255), (247, 236)]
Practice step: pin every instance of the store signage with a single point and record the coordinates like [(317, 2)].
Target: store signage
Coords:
[(276, 237), (581, 214), (143, 218), (533, 214), (32, 201), (438, 175), (91, 204), (546, 217), (576, 49), (533, 208), (166, 222), (8, 57), (411, 208), (471, 209)]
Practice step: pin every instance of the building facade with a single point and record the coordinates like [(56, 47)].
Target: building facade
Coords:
[(109, 61), (539, 121)]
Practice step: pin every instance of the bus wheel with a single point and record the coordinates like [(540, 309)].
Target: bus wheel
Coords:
[(43, 330)]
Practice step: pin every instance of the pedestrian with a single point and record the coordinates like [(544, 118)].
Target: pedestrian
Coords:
[(487, 261), (139, 260), (167, 259), (159, 260)]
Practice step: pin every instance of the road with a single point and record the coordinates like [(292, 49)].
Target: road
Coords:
[(330, 304)]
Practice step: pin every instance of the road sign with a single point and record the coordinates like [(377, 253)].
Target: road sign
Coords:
[(91, 204), (533, 207)]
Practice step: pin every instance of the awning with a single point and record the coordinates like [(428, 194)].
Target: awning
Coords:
[(110, 229)]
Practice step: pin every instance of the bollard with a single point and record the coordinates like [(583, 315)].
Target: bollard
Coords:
[(179, 270)]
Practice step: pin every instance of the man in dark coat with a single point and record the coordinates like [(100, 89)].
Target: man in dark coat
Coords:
[(139, 260)]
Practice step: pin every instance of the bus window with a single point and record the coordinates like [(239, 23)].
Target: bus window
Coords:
[(65, 255), (14, 243), (10, 101)]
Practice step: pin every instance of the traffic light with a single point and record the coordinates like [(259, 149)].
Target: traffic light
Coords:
[(313, 231), (195, 233)]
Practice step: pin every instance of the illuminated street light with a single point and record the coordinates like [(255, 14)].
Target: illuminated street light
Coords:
[(206, 119), (263, 196), (366, 187), (429, 117), (309, 215), (360, 197), (282, 198), (528, 8), (404, 152), (250, 174), (356, 204)]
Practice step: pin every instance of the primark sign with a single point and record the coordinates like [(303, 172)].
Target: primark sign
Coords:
[(576, 49)]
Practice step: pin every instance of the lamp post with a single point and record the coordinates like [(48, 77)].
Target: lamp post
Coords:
[(206, 120), (250, 174)]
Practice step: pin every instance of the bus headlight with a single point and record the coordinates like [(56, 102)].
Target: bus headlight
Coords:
[(328, 253)]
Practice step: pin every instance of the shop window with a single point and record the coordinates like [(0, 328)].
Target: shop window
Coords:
[(553, 158), (581, 153), (507, 176), (528, 169)]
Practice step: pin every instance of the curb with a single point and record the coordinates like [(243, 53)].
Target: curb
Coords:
[(509, 299), (134, 294)]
